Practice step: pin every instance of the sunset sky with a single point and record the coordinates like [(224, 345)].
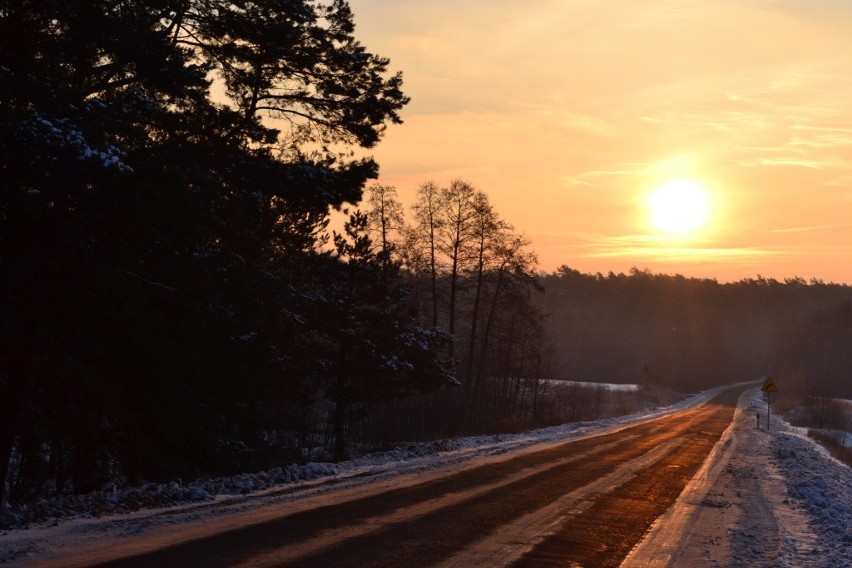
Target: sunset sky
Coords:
[(569, 113)]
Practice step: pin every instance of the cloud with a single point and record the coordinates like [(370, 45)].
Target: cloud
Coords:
[(619, 170), (568, 111), (812, 228), (662, 250)]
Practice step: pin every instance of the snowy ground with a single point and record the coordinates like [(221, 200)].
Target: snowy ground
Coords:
[(624, 387), (764, 499)]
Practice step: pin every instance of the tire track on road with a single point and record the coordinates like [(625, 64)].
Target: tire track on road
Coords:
[(432, 521)]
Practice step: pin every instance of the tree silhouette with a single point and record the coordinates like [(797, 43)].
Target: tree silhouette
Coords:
[(166, 169)]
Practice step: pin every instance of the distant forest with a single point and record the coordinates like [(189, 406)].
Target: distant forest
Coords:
[(689, 333), (173, 302)]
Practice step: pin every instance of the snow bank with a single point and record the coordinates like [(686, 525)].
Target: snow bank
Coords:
[(111, 499), (404, 458), (626, 387), (818, 486), (822, 486)]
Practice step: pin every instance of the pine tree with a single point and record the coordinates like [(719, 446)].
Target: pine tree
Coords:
[(375, 348), (152, 234)]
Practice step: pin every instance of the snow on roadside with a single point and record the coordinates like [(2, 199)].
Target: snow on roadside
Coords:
[(826, 491), (406, 458), (820, 486), (763, 498)]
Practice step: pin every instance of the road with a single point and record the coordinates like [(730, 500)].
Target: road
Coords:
[(585, 502)]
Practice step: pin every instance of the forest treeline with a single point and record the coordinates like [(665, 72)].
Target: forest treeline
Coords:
[(173, 302), (691, 333)]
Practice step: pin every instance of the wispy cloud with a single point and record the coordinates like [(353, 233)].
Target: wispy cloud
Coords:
[(618, 170), (812, 228), (662, 248), (569, 113)]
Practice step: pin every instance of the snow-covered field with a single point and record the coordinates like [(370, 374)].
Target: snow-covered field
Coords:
[(802, 502), (625, 387)]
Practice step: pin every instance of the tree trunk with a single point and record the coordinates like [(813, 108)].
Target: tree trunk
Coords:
[(340, 408), (84, 461), (454, 275), (475, 315), (339, 430), (7, 438), (487, 332), (11, 406), (434, 271), (57, 461)]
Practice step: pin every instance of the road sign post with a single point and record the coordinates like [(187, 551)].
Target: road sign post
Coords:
[(769, 388)]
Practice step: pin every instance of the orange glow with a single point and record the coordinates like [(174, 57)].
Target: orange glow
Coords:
[(568, 113)]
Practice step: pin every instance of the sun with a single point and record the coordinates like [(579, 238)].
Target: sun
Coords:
[(679, 206)]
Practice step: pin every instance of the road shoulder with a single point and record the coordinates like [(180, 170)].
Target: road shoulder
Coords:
[(737, 510), (692, 531)]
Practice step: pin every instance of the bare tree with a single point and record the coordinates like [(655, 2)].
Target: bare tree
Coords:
[(457, 210), (487, 228), (384, 215), (427, 225), (514, 266)]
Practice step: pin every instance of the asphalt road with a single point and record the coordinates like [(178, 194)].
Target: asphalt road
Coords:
[(586, 502)]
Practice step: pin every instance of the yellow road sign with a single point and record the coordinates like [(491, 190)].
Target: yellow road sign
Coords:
[(769, 386)]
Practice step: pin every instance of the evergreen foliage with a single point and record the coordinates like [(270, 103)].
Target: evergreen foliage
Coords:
[(166, 170)]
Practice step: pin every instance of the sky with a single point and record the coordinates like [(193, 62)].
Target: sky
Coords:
[(570, 113)]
